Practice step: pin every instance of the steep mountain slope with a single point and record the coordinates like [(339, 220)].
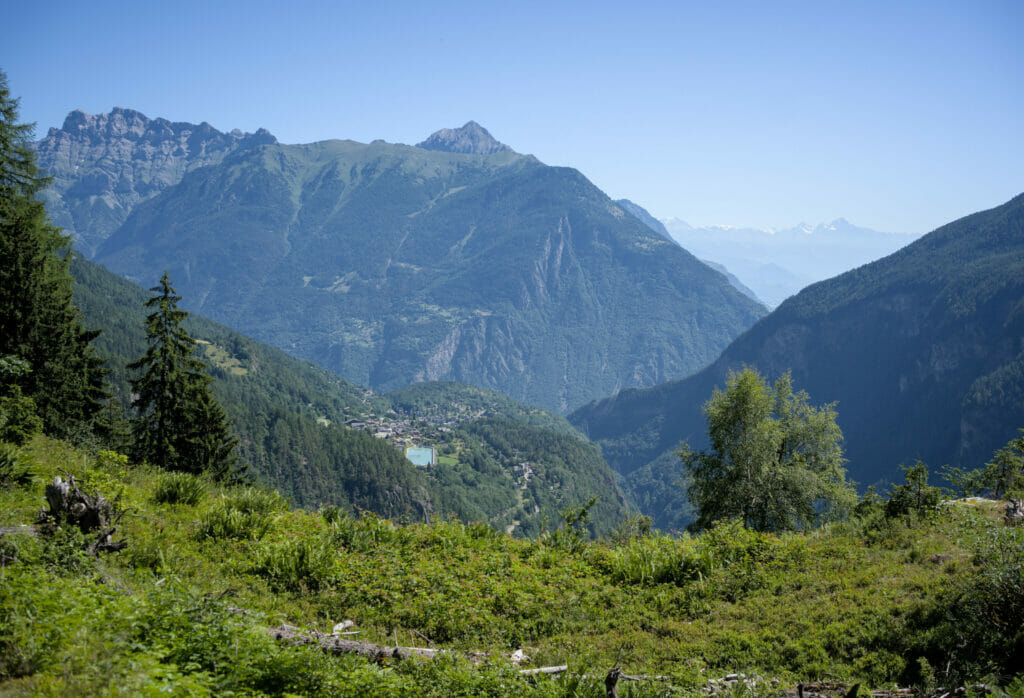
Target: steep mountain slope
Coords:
[(289, 413), (923, 351), (103, 165), (393, 264)]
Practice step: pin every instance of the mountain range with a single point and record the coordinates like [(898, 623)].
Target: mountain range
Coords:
[(776, 264), (923, 352), (458, 259)]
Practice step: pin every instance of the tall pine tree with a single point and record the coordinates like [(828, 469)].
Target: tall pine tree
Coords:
[(180, 426), (39, 324)]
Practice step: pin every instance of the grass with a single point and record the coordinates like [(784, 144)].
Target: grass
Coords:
[(863, 601)]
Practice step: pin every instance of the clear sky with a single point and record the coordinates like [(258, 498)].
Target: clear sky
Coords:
[(897, 115)]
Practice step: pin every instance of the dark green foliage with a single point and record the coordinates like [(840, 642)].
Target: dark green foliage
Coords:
[(273, 401), (775, 461), (921, 350), (180, 426), (915, 495), (38, 322), (18, 417), (1004, 474)]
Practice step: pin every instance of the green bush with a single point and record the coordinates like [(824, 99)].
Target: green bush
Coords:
[(246, 514), (298, 565), (179, 488), (18, 418), (15, 466), (915, 495)]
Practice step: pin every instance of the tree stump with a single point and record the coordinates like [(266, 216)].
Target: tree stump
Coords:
[(93, 514)]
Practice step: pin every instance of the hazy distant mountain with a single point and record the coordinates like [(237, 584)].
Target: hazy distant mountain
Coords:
[(393, 264), (103, 165), (778, 263), (654, 224), (923, 351), (471, 138)]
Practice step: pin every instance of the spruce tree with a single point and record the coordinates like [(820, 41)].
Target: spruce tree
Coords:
[(38, 320), (180, 426)]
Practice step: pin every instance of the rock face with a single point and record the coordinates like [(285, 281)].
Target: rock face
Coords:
[(392, 264), (471, 138), (104, 165), (923, 351)]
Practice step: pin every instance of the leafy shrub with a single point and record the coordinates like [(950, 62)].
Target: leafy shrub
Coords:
[(915, 495), (247, 514), (363, 534), (15, 466), (657, 559), (298, 564), (984, 628), (179, 488)]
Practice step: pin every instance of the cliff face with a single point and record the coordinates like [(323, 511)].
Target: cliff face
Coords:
[(103, 165)]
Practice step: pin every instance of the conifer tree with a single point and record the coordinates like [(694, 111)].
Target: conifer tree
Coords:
[(38, 320), (179, 426)]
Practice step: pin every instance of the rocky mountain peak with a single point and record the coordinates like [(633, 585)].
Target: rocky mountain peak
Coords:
[(471, 138)]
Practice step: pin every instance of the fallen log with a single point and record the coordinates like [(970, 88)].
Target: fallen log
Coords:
[(334, 644)]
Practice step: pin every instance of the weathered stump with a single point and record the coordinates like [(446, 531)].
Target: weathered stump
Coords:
[(1014, 515), (93, 514)]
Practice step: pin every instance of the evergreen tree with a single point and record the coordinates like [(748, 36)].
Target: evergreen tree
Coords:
[(38, 320), (179, 426)]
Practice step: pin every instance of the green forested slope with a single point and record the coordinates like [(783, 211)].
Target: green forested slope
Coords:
[(392, 264), (923, 351), (289, 415)]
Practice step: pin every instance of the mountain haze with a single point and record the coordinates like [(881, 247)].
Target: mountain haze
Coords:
[(778, 263), (923, 351), (393, 264)]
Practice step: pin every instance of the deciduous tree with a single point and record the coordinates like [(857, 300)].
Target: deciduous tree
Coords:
[(775, 461)]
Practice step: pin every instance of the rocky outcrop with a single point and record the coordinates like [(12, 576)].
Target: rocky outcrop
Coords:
[(471, 138), (103, 165)]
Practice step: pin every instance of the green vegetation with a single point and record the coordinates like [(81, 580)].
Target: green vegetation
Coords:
[(48, 367), (929, 598), (179, 425), (775, 461), (391, 264), (445, 402), (920, 351), (274, 401)]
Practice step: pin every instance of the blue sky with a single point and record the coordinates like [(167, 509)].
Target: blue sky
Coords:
[(899, 116)]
